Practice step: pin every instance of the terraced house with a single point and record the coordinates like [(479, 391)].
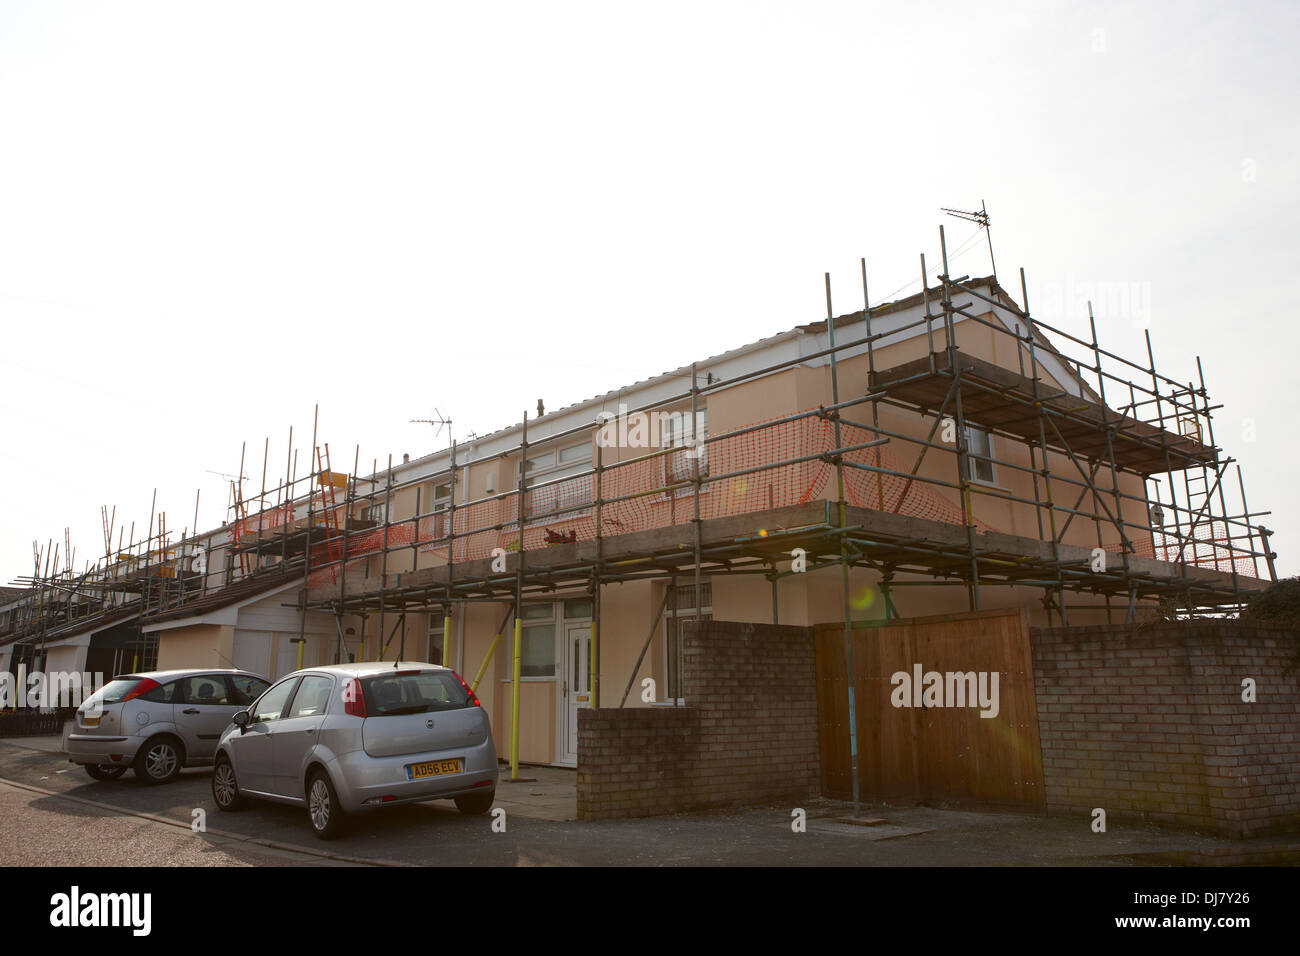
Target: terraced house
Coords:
[(945, 456)]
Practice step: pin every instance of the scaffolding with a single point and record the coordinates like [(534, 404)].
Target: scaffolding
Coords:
[(1108, 447), (131, 577), (559, 534)]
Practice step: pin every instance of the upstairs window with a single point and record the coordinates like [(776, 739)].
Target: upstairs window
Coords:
[(569, 460), (679, 430), (979, 455)]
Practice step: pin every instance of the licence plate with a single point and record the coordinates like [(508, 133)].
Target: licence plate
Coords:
[(434, 768)]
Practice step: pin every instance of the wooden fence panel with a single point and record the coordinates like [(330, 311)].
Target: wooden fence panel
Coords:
[(932, 753)]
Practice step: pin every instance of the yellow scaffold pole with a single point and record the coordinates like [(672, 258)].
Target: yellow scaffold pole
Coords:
[(482, 668), (516, 663), (446, 638)]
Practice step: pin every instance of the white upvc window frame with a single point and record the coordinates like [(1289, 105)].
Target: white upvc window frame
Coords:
[(549, 465), (675, 614), (556, 622), (974, 434), (437, 504), (677, 430), (435, 635)]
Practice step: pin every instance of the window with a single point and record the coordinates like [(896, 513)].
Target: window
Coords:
[(244, 689), (160, 695), (678, 430), (577, 609), (146, 651), (433, 653), (979, 453), (440, 500), (271, 704), (376, 512), (538, 652), (435, 501), (204, 689), (313, 694), (414, 693), (571, 460), (681, 608)]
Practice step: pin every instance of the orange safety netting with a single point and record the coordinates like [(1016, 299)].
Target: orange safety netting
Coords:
[(265, 520), (657, 492)]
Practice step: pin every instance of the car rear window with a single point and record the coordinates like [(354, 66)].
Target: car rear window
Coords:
[(414, 693), (117, 690)]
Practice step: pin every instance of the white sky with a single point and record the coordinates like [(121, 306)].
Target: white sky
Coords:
[(214, 216)]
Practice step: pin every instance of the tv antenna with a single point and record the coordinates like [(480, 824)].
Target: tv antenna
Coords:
[(981, 218), (439, 421)]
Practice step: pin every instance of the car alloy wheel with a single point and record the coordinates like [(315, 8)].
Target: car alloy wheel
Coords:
[(225, 789), (159, 762), (320, 804), (323, 807)]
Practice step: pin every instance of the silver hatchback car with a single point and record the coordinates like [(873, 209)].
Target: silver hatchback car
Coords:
[(157, 722), (350, 738)]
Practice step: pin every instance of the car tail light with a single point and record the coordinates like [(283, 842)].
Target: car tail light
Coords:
[(143, 687), (354, 700), (473, 699)]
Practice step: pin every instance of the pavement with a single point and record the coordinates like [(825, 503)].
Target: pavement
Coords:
[(46, 803)]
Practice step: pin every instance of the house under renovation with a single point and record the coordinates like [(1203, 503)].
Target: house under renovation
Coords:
[(945, 458)]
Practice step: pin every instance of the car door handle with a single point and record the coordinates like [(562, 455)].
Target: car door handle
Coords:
[(191, 710)]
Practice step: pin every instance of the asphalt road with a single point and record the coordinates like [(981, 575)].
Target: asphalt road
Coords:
[(51, 828)]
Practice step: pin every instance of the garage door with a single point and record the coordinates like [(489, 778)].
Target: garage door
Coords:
[(253, 652)]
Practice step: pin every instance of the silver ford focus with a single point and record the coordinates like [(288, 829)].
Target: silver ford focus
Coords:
[(157, 722), (351, 738)]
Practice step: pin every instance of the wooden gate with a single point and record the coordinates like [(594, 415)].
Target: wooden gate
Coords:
[(918, 746)]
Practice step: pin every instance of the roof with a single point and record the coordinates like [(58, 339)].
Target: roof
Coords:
[(12, 594), (683, 371), (241, 590), (183, 671), (371, 668), (96, 622)]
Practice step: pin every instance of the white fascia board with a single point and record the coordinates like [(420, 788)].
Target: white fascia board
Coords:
[(886, 326), (77, 640)]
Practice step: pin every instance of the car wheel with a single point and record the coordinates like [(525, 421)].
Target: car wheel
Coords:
[(105, 772), (225, 789), (475, 804), (327, 817), (159, 760)]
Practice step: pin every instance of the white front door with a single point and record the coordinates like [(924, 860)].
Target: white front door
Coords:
[(575, 686)]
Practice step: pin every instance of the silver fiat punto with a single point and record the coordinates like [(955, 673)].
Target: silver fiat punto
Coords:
[(350, 738), (157, 722)]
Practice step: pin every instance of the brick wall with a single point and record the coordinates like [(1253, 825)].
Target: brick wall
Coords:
[(747, 736), (1149, 721)]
